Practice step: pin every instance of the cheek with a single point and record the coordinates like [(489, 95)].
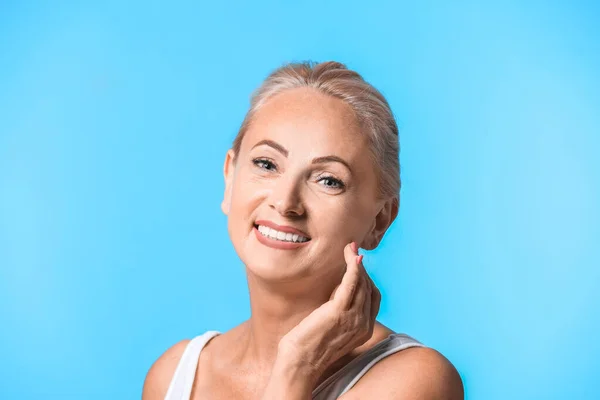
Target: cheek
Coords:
[(239, 220), (241, 206), (342, 220), (246, 199)]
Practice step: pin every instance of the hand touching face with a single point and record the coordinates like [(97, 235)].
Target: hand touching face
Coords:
[(337, 327)]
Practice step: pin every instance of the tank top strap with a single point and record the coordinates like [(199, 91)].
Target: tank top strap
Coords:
[(344, 379), (181, 384)]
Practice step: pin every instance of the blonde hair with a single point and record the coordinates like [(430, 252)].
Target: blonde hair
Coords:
[(370, 108)]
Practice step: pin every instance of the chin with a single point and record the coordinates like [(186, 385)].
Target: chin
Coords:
[(269, 271)]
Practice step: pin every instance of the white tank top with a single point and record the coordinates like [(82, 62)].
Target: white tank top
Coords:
[(336, 385)]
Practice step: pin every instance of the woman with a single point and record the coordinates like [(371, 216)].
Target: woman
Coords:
[(312, 175)]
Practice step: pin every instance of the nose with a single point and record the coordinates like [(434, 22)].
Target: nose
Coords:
[(285, 197)]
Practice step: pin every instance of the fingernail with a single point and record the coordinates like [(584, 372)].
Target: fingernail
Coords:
[(354, 247), (359, 259)]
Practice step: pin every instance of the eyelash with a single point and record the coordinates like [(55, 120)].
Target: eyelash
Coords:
[(339, 183)]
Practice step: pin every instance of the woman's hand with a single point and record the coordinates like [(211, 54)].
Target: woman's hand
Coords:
[(340, 325)]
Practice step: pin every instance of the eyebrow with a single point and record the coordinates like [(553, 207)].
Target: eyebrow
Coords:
[(316, 160)]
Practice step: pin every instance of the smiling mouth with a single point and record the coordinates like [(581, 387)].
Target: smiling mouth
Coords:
[(280, 236)]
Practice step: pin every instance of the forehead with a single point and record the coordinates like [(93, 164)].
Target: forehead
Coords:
[(305, 120)]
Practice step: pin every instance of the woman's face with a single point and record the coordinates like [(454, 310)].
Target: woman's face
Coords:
[(303, 165)]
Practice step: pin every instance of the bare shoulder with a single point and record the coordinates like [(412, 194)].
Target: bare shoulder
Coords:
[(161, 372), (418, 373)]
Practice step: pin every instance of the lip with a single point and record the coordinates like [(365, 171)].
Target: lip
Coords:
[(280, 228), (277, 244)]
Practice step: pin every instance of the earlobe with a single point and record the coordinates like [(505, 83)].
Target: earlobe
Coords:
[(225, 206), (382, 222), (367, 243), (369, 239)]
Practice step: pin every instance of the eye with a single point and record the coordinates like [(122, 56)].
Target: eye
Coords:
[(331, 182), (263, 163)]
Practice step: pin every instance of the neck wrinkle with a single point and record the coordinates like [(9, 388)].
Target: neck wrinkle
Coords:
[(276, 308)]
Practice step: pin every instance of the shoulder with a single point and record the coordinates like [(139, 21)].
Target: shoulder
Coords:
[(418, 373), (161, 372)]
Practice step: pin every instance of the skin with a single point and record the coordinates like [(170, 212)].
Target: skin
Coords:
[(313, 309)]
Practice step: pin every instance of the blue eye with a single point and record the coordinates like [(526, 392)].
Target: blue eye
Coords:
[(332, 182), (263, 164), (329, 181)]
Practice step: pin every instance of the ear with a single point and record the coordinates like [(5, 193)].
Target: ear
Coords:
[(383, 220), (228, 173)]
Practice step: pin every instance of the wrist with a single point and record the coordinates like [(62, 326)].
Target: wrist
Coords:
[(290, 380), (292, 361)]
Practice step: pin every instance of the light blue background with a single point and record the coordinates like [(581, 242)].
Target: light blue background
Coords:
[(114, 122)]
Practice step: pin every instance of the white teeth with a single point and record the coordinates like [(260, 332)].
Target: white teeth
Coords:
[(282, 236)]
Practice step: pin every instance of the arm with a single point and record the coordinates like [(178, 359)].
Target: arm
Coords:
[(288, 381)]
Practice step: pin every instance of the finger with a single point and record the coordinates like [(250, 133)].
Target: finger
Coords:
[(350, 281), (362, 291), (374, 289), (362, 303), (374, 301), (368, 291)]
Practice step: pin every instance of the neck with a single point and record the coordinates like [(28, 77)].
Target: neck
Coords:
[(276, 308)]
